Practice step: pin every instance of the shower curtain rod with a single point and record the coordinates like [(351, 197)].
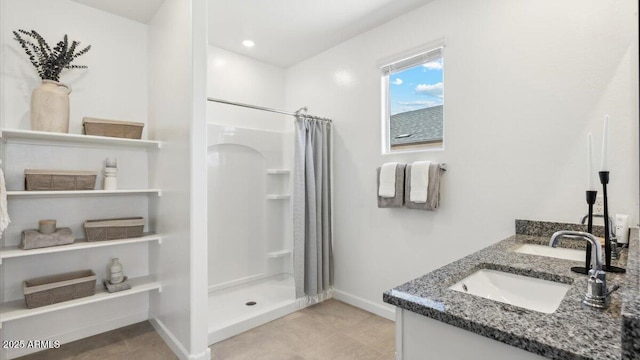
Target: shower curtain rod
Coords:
[(302, 111)]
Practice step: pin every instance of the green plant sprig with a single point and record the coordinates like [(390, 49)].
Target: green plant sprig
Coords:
[(50, 62)]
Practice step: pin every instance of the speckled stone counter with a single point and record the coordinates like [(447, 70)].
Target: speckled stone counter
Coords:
[(571, 332), (631, 301)]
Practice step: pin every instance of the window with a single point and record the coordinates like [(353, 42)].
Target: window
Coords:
[(413, 102)]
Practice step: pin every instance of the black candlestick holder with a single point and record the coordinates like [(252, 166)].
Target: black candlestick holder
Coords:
[(604, 180), (591, 199)]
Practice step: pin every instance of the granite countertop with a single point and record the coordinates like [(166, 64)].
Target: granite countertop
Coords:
[(571, 332)]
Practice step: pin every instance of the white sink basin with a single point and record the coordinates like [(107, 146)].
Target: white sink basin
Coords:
[(558, 253), (522, 291)]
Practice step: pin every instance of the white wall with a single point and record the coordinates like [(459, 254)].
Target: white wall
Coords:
[(525, 81), (241, 79), (177, 117), (113, 87)]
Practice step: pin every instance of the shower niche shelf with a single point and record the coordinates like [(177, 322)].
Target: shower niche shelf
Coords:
[(278, 171), (278, 196), (279, 254), (14, 310)]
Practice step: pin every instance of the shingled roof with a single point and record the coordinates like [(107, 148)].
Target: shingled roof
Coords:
[(423, 126)]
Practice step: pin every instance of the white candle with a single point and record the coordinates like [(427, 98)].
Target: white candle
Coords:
[(590, 162), (605, 144)]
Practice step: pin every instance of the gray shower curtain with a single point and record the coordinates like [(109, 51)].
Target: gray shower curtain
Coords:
[(312, 254)]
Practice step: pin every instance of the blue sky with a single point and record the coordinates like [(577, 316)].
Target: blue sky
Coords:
[(416, 88)]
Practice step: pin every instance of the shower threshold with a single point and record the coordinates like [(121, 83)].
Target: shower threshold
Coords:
[(230, 314)]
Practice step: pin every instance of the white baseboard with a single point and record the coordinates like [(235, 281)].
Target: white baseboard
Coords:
[(386, 311), (175, 345), (81, 333)]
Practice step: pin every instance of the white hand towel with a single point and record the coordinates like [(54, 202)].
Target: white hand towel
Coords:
[(387, 187), (4, 215), (419, 181)]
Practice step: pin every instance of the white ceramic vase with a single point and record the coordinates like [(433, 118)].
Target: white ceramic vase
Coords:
[(50, 107)]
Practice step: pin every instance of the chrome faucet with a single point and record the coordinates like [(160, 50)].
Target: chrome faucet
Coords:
[(612, 234), (597, 295)]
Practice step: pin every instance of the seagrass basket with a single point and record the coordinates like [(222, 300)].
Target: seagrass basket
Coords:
[(112, 128), (59, 180), (114, 229), (53, 289)]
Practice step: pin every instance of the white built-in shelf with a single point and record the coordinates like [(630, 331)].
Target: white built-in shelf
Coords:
[(278, 171), (22, 193), (70, 139), (14, 310), (279, 253), (80, 244), (278, 196)]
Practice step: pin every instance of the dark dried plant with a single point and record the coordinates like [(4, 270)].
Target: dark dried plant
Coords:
[(50, 62)]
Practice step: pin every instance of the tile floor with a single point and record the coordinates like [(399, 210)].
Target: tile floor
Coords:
[(134, 342), (330, 330)]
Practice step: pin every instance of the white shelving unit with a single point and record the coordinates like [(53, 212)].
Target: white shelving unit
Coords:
[(140, 92), (14, 310), (21, 193), (75, 139), (80, 244)]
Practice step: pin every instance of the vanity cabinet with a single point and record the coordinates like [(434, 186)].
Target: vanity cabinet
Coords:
[(419, 337)]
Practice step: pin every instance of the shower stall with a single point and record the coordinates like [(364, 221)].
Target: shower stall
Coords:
[(250, 224), (265, 260)]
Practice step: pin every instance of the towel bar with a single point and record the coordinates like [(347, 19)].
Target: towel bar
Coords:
[(443, 167)]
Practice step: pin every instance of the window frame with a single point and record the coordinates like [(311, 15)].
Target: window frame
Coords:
[(397, 63)]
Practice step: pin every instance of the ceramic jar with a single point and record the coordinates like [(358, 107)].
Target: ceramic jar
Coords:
[(47, 226), (50, 107), (115, 270), (111, 174), (110, 178)]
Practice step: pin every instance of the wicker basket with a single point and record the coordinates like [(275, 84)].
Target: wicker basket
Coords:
[(48, 180), (58, 288), (112, 128), (113, 229)]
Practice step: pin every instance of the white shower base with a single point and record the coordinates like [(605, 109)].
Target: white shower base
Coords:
[(229, 315)]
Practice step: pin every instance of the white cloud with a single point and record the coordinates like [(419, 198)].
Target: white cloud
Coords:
[(430, 89), (433, 65), (397, 81)]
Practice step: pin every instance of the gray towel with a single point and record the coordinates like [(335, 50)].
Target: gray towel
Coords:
[(124, 285), (33, 239), (433, 191), (398, 200)]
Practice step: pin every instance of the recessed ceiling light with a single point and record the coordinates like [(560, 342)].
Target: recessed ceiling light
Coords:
[(248, 43)]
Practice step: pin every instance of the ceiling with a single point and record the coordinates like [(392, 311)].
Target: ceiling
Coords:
[(285, 31), (138, 10), (288, 31)]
